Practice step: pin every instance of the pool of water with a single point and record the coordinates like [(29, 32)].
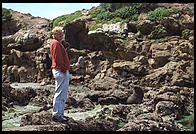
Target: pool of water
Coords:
[(10, 120)]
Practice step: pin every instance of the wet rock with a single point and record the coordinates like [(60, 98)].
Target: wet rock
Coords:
[(150, 122), (22, 96), (107, 101)]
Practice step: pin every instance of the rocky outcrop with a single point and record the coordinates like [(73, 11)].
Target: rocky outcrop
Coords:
[(150, 122), (144, 70)]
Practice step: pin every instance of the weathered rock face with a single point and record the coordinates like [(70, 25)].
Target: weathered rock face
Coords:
[(77, 34), (10, 28), (19, 49), (146, 27), (150, 122), (117, 64)]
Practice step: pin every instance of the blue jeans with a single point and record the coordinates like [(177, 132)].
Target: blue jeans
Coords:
[(61, 90)]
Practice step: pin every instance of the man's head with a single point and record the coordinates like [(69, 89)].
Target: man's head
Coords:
[(58, 33)]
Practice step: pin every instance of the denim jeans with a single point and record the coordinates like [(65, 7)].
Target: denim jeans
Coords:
[(61, 90)]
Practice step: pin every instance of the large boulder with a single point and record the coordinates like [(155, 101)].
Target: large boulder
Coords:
[(146, 27), (117, 30), (26, 40), (10, 27), (173, 27), (126, 68), (99, 40)]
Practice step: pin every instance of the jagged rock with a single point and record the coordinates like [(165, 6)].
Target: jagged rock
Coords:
[(177, 77), (99, 40), (126, 68), (163, 69), (77, 34), (169, 101), (43, 64), (107, 101), (10, 27), (172, 26), (187, 21), (104, 84), (117, 30), (146, 27), (26, 40), (150, 122)]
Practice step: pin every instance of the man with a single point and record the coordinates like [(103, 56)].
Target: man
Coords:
[(60, 70)]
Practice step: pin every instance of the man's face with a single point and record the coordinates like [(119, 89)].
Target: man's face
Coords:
[(59, 36)]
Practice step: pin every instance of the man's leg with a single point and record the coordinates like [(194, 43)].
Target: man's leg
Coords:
[(59, 88), (64, 91)]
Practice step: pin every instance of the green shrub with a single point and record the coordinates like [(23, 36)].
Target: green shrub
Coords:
[(158, 32), (173, 10), (106, 6), (6, 15), (65, 19), (158, 14), (121, 124), (187, 122), (125, 12), (105, 16), (95, 12), (94, 27), (117, 19)]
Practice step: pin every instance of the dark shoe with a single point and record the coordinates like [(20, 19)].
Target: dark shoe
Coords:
[(59, 119)]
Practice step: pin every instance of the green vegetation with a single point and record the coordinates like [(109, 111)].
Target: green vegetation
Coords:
[(108, 14), (186, 34), (159, 32), (65, 19), (173, 10), (187, 122), (127, 13), (121, 124), (158, 14), (106, 7), (6, 15), (94, 27)]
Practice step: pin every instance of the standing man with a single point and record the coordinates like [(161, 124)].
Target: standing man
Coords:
[(60, 70)]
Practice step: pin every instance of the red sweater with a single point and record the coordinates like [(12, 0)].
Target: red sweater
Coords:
[(60, 59)]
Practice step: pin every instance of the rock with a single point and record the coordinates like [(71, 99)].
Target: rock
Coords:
[(150, 122), (117, 30), (187, 21), (99, 40), (77, 34), (126, 68), (145, 27), (172, 26), (43, 65), (107, 101), (22, 96), (104, 84), (26, 40), (10, 27)]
